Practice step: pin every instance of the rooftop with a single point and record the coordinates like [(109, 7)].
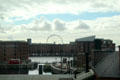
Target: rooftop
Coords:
[(89, 38), (109, 66), (13, 41)]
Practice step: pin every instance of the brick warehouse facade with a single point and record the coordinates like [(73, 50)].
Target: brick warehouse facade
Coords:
[(13, 50), (76, 49), (22, 49), (73, 48), (52, 49)]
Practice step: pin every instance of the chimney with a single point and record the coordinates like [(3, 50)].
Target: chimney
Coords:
[(29, 41)]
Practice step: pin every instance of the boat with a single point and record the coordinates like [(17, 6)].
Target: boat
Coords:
[(58, 69)]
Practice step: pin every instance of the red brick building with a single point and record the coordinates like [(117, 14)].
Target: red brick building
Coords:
[(73, 48), (84, 45), (77, 49), (13, 50), (22, 49), (52, 49)]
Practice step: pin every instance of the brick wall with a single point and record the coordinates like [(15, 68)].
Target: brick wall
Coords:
[(83, 48), (13, 50), (52, 49)]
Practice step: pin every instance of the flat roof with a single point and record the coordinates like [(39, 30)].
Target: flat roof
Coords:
[(89, 38), (13, 41)]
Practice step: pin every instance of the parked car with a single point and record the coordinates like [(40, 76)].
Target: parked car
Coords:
[(15, 61)]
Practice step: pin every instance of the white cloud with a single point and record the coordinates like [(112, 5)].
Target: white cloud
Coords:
[(106, 27), (59, 25), (56, 25), (106, 23), (29, 8), (40, 29), (102, 27), (82, 25), (106, 5), (37, 25), (1, 30)]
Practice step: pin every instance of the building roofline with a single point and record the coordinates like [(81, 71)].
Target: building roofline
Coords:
[(86, 39), (13, 41)]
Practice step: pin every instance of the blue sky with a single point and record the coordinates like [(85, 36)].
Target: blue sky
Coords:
[(65, 17)]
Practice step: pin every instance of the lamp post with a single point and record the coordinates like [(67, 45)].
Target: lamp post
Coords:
[(61, 51), (87, 51)]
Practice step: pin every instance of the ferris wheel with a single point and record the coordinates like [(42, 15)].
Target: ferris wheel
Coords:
[(52, 36)]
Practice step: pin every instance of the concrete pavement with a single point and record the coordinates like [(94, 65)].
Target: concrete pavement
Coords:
[(35, 77)]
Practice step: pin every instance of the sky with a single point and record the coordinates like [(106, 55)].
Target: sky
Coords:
[(70, 19)]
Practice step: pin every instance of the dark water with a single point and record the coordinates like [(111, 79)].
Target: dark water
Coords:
[(14, 71)]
